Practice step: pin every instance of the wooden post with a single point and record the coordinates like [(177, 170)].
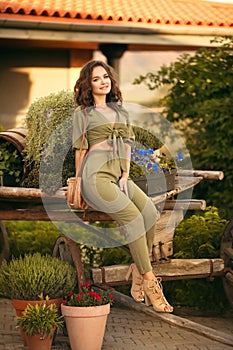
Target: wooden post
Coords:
[(5, 249)]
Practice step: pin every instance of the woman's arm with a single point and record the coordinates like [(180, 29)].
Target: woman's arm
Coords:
[(125, 175)]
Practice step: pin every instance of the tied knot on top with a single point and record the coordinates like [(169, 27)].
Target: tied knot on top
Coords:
[(115, 139)]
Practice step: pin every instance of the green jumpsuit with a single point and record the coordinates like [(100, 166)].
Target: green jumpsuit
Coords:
[(102, 169)]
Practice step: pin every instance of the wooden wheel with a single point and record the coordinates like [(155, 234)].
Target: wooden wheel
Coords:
[(67, 250), (4, 243), (226, 253)]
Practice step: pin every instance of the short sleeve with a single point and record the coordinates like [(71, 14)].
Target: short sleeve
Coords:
[(78, 130)]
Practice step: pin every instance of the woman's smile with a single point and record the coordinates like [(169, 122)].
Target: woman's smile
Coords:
[(101, 82)]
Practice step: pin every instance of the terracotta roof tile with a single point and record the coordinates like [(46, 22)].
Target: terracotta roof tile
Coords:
[(170, 12)]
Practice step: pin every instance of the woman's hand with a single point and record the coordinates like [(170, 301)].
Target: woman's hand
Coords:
[(123, 184)]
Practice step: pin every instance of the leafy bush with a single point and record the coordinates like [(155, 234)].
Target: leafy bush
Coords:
[(43, 118), (31, 237), (112, 256), (11, 163), (198, 236), (33, 275)]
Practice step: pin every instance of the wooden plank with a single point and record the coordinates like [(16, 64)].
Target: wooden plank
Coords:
[(41, 215), (20, 193), (184, 180), (205, 174), (177, 268), (185, 204), (18, 203), (12, 210), (164, 233), (35, 194), (182, 184)]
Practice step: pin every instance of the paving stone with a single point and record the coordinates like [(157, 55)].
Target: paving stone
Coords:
[(126, 329)]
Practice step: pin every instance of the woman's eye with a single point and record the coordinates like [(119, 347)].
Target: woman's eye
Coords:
[(97, 79)]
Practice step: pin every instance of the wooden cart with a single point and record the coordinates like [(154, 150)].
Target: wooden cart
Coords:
[(28, 204)]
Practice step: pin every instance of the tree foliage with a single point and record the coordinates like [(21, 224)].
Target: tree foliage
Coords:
[(199, 103)]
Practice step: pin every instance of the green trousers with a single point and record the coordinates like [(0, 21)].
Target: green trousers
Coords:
[(135, 213)]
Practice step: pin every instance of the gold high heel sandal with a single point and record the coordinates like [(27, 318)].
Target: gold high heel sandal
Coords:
[(137, 283), (154, 295)]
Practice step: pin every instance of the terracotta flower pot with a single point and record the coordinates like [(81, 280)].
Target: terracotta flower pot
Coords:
[(35, 342), (20, 306), (85, 325)]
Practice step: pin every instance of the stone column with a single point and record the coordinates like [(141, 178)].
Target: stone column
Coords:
[(113, 53)]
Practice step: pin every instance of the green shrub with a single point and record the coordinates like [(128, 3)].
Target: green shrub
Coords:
[(114, 256), (44, 116), (31, 237), (11, 163), (33, 275), (198, 236)]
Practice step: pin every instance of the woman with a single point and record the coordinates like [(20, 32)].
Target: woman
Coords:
[(105, 174)]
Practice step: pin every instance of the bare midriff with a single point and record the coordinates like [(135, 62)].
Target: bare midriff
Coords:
[(104, 145)]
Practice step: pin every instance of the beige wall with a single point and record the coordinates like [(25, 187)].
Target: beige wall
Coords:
[(26, 75)]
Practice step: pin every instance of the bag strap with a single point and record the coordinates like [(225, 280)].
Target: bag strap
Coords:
[(82, 143), (84, 131)]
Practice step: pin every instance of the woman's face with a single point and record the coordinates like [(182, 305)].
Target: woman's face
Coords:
[(100, 82)]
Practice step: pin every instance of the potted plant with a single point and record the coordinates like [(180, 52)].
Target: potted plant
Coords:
[(39, 323), (153, 171), (85, 315), (27, 279)]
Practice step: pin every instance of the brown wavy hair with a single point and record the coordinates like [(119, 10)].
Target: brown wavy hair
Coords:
[(83, 91)]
